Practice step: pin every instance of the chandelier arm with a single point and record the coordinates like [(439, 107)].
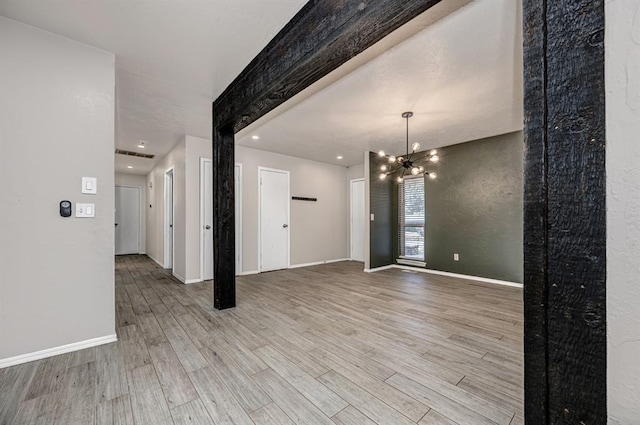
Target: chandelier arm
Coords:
[(407, 135)]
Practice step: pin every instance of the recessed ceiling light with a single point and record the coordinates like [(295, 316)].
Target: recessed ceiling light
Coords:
[(339, 157), (255, 137), (141, 145), (129, 166)]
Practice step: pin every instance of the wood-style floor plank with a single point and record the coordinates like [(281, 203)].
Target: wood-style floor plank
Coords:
[(192, 413), (147, 400), (223, 408), (175, 383), (371, 406), (298, 408), (270, 414), (324, 399), (352, 416)]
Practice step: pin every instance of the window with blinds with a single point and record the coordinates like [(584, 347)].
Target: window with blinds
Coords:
[(411, 217)]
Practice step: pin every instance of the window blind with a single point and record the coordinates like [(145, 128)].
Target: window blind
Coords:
[(411, 214)]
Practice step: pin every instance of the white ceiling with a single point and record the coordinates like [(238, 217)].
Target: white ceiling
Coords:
[(173, 57), (461, 76)]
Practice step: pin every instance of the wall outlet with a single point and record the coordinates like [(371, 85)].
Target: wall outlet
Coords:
[(372, 217), (85, 210), (456, 257)]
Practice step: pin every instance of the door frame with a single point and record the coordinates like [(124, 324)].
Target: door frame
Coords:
[(238, 194), (169, 262), (140, 210), (351, 182), (288, 173)]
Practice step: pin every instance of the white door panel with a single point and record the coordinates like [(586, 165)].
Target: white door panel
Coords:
[(274, 220), (127, 217), (357, 220)]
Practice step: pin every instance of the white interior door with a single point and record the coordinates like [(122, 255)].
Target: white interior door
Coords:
[(168, 220), (274, 219), (206, 196), (357, 220), (127, 220), (207, 220)]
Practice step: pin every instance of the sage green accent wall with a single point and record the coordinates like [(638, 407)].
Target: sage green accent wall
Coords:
[(475, 209)]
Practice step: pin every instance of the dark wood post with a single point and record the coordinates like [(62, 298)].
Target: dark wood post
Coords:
[(224, 246), (565, 213)]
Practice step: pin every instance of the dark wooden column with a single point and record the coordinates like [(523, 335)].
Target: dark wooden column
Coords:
[(224, 247), (565, 213)]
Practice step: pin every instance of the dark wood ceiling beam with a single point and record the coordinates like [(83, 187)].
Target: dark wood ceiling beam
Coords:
[(320, 38)]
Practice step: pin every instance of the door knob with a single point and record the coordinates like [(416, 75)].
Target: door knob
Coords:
[(116, 224), (285, 225), (207, 227)]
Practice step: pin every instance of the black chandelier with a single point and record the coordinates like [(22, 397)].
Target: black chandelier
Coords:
[(410, 163)]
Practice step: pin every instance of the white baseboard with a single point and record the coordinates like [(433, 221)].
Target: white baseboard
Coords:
[(317, 263), (155, 260), (248, 273), (55, 351), (438, 272), (379, 269), (190, 281)]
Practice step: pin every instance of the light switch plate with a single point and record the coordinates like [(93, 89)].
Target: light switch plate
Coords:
[(85, 210), (372, 217), (89, 185)]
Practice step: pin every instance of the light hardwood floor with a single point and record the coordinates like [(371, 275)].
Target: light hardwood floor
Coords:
[(320, 345)]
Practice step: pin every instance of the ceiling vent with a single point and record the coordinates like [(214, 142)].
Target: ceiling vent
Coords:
[(131, 153)]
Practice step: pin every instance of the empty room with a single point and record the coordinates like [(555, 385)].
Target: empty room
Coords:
[(290, 212)]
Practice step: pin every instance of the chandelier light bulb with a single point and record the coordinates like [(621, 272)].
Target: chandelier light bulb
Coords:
[(392, 159), (432, 176), (400, 179), (381, 153), (415, 171), (382, 176), (434, 158), (383, 168), (434, 152), (421, 169), (415, 147), (400, 160)]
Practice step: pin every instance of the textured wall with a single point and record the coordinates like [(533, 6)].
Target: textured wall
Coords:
[(56, 126), (474, 208), (622, 74)]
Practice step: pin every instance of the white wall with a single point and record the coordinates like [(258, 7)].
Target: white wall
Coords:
[(155, 209), (319, 230), (622, 73), (134, 180), (196, 148), (56, 126)]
